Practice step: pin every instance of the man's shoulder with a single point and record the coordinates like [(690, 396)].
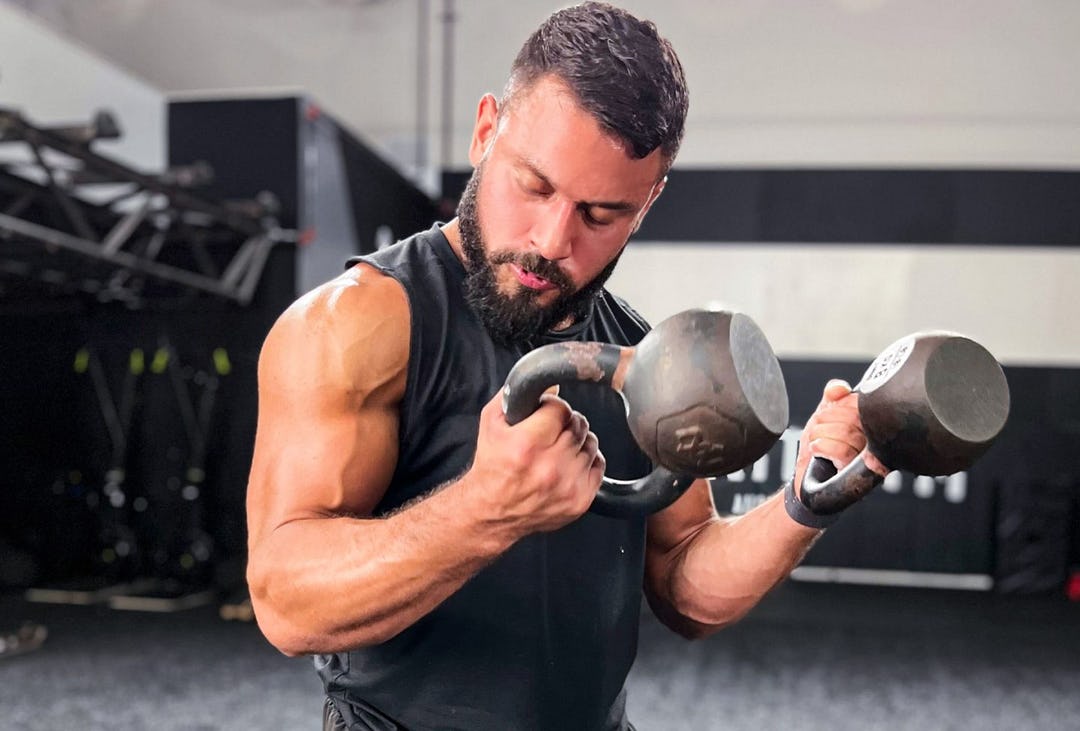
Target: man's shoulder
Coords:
[(350, 334), (358, 299), (422, 245)]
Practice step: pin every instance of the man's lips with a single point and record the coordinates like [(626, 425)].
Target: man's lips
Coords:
[(530, 280)]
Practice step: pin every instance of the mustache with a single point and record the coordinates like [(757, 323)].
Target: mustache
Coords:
[(538, 265)]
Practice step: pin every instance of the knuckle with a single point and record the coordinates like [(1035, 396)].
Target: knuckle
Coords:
[(520, 452), (548, 475)]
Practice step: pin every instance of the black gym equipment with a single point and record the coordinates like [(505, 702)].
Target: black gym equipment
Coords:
[(108, 494), (97, 255), (149, 540), (74, 221), (174, 530), (704, 396), (931, 403), (117, 555)]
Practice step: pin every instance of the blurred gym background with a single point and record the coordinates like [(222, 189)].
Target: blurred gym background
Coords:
[(174, 173)]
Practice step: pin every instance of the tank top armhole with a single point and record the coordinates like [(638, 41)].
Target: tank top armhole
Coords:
[(412, 366)]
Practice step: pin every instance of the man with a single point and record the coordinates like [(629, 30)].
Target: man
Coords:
[(440, 564)]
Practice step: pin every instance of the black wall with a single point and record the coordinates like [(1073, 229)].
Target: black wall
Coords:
[(978, 207), (1016, 521)]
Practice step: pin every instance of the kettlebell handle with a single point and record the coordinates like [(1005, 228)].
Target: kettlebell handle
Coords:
[(827, 492), (605, 365)]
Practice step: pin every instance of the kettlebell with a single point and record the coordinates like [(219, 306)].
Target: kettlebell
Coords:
[(704, 396), (931, 403)]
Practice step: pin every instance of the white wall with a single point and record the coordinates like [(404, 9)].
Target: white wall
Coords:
[(908, 82), (848, 82), (53, 81), (814, 82), (833, 83)]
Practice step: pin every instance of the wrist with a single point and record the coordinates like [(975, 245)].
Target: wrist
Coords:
[(801, 514), (482, 517)]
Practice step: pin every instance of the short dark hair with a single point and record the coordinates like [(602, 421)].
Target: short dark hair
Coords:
[(622, 71)]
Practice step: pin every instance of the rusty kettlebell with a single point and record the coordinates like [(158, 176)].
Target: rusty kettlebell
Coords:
[(704, 396)]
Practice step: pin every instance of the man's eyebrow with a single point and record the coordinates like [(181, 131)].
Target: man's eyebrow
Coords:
[(606, 205)]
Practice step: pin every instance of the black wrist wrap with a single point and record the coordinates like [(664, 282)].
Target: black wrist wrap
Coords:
[(802, 514)]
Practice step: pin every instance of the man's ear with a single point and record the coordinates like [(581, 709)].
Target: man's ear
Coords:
[(485, 129), (656, 191)]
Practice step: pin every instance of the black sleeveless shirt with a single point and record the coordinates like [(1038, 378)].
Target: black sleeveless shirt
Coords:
[(544, 637)]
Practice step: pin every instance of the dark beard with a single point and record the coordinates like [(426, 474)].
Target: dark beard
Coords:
[(516, 318)]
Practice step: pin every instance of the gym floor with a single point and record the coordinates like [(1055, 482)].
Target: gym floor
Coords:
[(811, 656)]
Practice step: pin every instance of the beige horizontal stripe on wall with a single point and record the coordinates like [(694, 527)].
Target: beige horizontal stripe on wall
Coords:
[(847, 302)]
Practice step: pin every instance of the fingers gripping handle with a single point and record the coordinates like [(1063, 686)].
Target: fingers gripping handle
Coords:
[(603, 364), (826, 492)]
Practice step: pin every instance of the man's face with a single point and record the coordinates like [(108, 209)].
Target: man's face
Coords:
[(551, 203)]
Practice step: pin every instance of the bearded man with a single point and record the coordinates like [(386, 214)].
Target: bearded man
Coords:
[(439, 564)]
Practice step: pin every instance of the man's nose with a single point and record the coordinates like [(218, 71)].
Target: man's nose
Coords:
[(553, 233)]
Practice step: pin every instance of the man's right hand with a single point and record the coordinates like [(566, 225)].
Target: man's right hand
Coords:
[(539, 474)]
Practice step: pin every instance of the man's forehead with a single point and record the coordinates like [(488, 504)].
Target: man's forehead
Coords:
[(544, 127), (545, 99)]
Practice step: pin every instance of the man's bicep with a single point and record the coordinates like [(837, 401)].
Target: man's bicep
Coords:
[(676, 523), (331, 376), (323, 460), (670, 529)]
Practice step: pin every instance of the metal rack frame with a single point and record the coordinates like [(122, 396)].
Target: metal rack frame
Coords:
[(119, 244)]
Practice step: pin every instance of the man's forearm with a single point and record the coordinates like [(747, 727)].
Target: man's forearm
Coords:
[(725, 568), (333, 584)]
